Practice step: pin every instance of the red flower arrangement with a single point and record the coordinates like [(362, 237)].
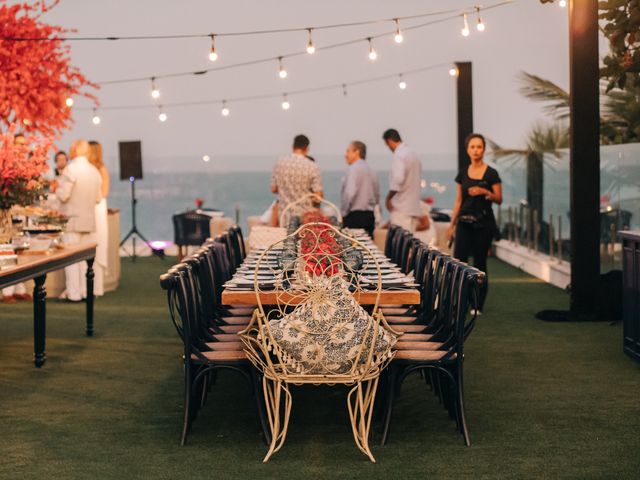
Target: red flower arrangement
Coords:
[(37, 76), (318, 246), (21, 169)]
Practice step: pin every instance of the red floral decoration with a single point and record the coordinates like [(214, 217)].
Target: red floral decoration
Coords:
[(21, 169), (37, 75), (319, 246)]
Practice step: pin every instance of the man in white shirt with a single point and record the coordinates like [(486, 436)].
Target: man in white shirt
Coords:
[(295, 176), (403, 199), (79, 192)]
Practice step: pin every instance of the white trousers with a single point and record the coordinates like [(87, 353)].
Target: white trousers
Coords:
[(17, 289), (75, 274), (403, 220)]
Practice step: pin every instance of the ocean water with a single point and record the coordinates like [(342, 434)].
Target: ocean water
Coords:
[(162, 193)]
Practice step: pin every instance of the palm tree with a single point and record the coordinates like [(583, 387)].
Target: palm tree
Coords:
[(619, 109), (545, 143)]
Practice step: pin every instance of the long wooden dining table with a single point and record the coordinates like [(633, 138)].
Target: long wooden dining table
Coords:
[(35, 266), (409, 296)]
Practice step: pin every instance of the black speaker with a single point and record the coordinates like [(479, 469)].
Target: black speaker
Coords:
[(130, 160)]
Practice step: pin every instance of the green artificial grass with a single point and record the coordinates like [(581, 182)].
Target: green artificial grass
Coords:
[(544, 400)]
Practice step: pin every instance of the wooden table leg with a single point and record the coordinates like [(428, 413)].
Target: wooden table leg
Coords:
[(39, 320), (90, 276)]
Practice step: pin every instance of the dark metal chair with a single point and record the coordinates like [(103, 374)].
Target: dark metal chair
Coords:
[(190, 229)]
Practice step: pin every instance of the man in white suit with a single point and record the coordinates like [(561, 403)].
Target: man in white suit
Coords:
[(78, 193)]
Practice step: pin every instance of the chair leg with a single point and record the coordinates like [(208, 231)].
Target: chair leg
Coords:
[(390, 397), (463, 419), (187, 406), (361, 412), (279, 426), (262, 414)]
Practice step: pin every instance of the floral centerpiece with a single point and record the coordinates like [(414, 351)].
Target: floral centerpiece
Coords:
[(21, 174), (318, 246)]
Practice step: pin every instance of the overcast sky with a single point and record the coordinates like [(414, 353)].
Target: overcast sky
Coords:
[(524, 36)]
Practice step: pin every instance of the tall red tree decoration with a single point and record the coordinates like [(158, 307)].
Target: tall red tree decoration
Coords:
[(36, 75)]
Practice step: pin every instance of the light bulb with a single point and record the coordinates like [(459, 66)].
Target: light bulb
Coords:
[(69, 102), (162, 117), (465, 29), (398, 37), (285, 103), (206, 158), (282, 73), (480, 25), (155, 93), (562, 3), (311, 48), (372, 51), (96, 118), (402, 84), (453, 71), (213, 54), (225, 110)]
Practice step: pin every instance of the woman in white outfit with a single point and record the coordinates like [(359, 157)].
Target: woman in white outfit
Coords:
[(102, 232)]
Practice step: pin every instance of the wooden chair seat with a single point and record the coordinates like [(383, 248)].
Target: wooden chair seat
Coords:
[(240, 310), (216, 346), (232, 328), (416, 337), (395, 310), (223, 356), (409, 328), (400, 319), (417, 345), (244, 320), (420, 355), (226, 337)]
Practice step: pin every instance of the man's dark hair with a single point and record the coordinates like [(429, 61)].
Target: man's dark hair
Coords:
[(391, 134), (19, 135), (61, 152), (300, 142), (472, 136), (360, 147)]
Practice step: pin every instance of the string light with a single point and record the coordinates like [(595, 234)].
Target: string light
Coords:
[(465, 29), (155, 93), (225, 110), (162, 116), (480, 25), (398, 37), (285, 102), (311, 48), (282, 73), (344, 89), (69, 102), (372, 51), (562, 3), (206, 158), (96, 118), (444, 16), (453, 71), (213, 54), (402, 84)]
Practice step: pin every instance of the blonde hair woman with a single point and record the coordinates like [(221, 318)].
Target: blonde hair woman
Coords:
[(102, 232)]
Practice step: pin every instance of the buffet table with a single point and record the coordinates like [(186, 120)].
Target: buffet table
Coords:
[(36, 267)]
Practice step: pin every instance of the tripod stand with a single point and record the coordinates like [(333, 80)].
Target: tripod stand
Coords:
[(134, 228)]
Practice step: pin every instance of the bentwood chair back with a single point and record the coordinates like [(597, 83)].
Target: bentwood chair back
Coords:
[(305, 203), (190, 229), (315, 331)]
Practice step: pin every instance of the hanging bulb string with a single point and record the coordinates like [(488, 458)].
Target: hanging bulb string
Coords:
[(299, 53), (240, 33), (334, 86)]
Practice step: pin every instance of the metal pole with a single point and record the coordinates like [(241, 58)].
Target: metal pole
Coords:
[(464, 87), (584, 158), (551, 236), (559, 238)]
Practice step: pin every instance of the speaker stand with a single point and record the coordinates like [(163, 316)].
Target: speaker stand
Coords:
[(134, 232)]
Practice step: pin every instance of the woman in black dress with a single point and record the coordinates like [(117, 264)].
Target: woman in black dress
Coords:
[(473, 224)]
